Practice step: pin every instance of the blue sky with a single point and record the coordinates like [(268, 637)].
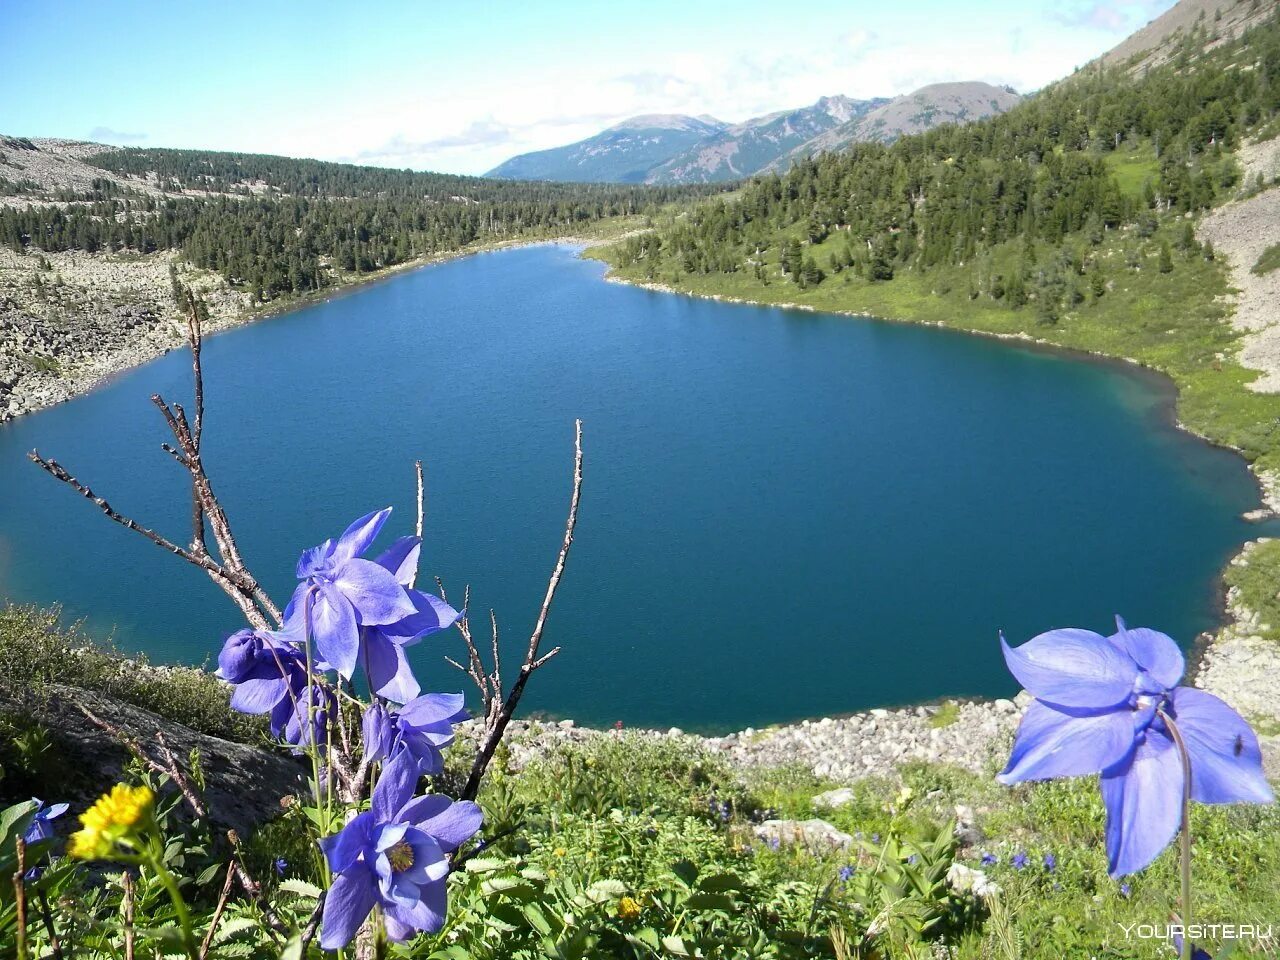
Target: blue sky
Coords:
[(462, 86)]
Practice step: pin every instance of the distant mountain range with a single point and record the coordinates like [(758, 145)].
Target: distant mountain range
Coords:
[(673, 148)]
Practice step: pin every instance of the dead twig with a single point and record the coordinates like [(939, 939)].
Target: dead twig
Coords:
[(227, 569), (127, 910), (167, 766), (499, 709), (313, 923), (20, 897), (217, 912), (418, 527), (46, 917)]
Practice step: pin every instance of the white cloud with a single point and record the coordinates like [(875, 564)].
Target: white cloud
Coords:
[(472, 122), (116, 137)]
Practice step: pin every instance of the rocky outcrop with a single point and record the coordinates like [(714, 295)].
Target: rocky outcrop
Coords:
[(815, 835), (1240, 231), (70, 320), (244, 784)]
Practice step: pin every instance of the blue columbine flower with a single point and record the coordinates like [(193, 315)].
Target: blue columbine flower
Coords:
[(1100, 707), (990, 859), (395, 854), (1019, 860), (383, 645), (1050, 862), (1125, 890), (423, 728), (846, 874), (281, 866), (346, 592), (269, 673), (40, 829)]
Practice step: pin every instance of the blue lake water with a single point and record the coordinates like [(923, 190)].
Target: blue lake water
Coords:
[(785, 514)]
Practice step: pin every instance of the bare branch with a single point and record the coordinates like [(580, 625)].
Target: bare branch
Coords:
[(496, 720), (228, 570), (419, 527), (313, 924), (220, 575), (126, 879), (217, 913)]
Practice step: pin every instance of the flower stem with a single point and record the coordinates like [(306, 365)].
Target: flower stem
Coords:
[(155, 861), (1184, 839)]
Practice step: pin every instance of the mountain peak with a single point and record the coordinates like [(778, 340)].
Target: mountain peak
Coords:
[(666, 121)]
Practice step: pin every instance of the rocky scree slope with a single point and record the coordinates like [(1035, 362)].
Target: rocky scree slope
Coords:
[(1160, 40)]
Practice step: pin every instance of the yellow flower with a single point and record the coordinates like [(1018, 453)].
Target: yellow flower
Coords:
[(561, 851), (628, 909), (113, 817)]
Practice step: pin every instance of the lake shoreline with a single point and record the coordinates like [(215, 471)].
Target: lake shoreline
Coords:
[(1212, 657), (45, 389), (1231, 661)]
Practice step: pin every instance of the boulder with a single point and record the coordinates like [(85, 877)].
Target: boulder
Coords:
[(833, 799), (817, 835), (244, 784)]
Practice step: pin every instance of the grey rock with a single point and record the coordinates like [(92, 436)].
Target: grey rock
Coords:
[(817, 835), (833, 799), (244, 784)]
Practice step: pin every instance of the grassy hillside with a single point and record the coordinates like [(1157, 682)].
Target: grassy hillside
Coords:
[(1070, 219)]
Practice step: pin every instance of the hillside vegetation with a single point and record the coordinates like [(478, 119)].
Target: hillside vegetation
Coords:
[(1070, 219), (277, 226)]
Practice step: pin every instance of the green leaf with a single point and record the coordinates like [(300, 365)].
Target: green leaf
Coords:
[(15, 820), (675, 946), (720, 882), (484, 864), (236, 925), (537, 919), (606, 889), (709, 901), (300, 888)]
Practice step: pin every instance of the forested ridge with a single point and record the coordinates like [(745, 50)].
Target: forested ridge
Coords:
[(279, 226), (1096, 151)]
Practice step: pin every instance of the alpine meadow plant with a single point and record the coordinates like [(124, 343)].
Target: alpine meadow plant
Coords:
[(347, 615), (331, 675), (1112, 706)]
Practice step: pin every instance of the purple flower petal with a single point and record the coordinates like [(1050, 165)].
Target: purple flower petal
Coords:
[(1143, 797), (344, 848), (431, 615), (315, 559), (373, 592), (1226, 761), (348, 902), (377, 732), (401, 558), (427, 915), (395, 786), (433, 708), (356, 539), (333, 625), (452, 826), (389, 672), (1153, 651), (1072, 668), (259, 695), (1051, 744)]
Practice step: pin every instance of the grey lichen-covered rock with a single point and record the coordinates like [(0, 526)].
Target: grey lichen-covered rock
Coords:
[(244, 785), (834, 799), (817, 835)]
